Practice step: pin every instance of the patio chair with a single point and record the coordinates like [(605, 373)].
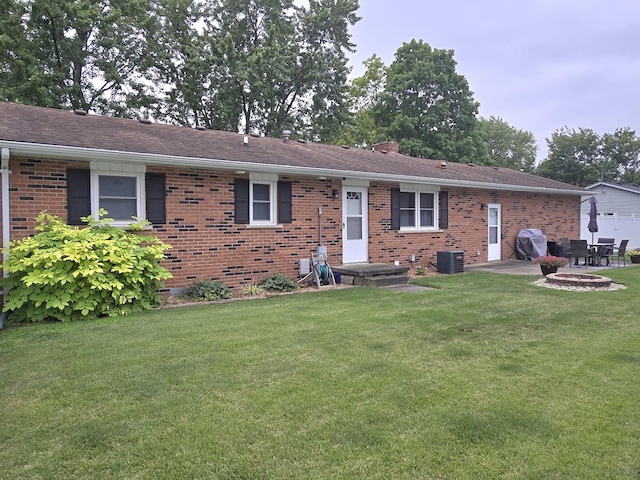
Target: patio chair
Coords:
[(621, 251), (605, 250), (564, 247), (580, 249)]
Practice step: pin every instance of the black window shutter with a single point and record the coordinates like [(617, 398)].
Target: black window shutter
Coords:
[(284, 202), (395, 209), (78, 195), (155, 198), (241, 200), (444, 210)]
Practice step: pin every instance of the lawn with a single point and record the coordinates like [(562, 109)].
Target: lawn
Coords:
[(485, 377)]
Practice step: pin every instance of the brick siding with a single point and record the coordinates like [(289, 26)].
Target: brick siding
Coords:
[(207, 244)]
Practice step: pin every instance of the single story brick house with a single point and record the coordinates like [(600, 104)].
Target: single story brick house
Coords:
[(238, 207)]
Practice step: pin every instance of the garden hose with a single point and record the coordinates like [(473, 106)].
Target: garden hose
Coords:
[(324, 272)]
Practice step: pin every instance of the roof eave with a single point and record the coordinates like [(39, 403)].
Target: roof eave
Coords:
[(63, 152)]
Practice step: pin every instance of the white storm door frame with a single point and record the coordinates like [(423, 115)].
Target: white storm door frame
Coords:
[(494, 234), (355, 221)]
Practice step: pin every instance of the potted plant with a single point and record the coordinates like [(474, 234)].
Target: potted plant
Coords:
[(634, 255), (550, 263)]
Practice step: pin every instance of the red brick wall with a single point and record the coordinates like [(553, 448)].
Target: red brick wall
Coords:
[(557, 216), (207, 244)]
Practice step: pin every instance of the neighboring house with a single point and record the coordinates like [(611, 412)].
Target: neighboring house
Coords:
[(618, 212), (237, 207)]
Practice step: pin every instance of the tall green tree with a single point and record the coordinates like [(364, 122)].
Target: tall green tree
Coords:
[(188, 73), (81, 53), (256, 65), (326, 41), (582, 157), (428, 107), (16, 63), (360, 130), (622, 150), (508, 146)]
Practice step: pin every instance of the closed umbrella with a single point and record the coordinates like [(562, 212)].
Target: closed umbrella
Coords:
[(593, 216)]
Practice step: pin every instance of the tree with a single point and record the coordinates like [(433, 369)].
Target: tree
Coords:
[(189, 72), (428, 107), (15, 60), (583, 157), (79, 53), (255, 65), (622, 150), (507, 146), (573, 157), (364, 93)]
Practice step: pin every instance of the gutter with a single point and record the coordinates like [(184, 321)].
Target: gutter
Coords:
[(4, 170), (88, 154)]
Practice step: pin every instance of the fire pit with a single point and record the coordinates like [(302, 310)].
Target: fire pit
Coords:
[(578, 280)]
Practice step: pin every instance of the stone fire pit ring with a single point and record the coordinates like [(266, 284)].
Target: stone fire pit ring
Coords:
[(587, 280)]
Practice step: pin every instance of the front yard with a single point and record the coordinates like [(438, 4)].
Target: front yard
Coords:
[(488, 376)]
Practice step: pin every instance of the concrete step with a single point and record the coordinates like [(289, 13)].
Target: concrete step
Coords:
[(384, 280), (373, 274)]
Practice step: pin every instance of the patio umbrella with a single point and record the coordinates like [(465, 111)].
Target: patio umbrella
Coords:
[(593, 216)]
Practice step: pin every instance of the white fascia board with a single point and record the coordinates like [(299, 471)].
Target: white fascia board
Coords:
[(89, 154), (626, 188)]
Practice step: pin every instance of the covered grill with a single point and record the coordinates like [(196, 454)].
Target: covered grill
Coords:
[(531, 243)]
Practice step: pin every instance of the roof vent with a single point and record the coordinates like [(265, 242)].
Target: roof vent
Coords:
[(146, 121), (302, 140), (471, 164), (286, 134), (384, 151), (79, 111), (441, 164), (346, 147), (201, 127)]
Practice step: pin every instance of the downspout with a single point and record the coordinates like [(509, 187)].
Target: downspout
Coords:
[(4, 169)]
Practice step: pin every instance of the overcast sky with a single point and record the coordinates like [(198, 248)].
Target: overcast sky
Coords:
[(538, 64)]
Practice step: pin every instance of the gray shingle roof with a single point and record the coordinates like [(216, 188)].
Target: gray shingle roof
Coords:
[(25, 127)]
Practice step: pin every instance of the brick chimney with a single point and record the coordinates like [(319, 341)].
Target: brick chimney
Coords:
[(386, 147)]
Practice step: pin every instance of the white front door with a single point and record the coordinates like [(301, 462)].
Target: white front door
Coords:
[(355, 235), (495, 246)]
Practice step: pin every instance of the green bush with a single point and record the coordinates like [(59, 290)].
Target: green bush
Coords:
[(69, 273), (207, 290), (279, 283)]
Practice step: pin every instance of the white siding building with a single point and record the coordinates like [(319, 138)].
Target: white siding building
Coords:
[(618, 213)]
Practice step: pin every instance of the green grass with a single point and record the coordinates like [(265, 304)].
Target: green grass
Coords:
[(485, 377)]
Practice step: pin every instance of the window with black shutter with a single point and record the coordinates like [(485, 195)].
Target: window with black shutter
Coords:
[(254, 202), (114, 193), (155, 198), (241, 200), (78, 195), (444, 210), (284, 203), (414, 208)]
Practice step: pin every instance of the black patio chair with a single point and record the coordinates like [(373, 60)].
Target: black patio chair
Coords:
[(621, 251), (564, 248), (580, 249), (606, 250)]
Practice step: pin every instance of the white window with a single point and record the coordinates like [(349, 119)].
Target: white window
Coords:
[(418, 209), (262, 199), (119, 189)]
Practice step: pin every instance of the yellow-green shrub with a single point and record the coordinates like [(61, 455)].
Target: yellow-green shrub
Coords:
[(69, 273)]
